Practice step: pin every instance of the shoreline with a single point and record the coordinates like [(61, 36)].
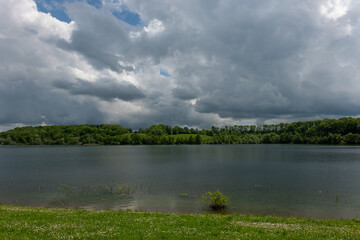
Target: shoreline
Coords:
[(204, 144), (54, 223)]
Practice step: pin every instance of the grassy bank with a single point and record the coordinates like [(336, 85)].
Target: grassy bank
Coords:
[(44, 223)]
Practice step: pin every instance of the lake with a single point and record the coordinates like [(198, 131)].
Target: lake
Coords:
[(284, 180)]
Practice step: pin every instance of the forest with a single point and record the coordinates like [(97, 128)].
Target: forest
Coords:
[(343, 131)]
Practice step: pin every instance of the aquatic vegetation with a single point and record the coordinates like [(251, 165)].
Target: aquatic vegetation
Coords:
[(337, 197), (124, 190), (184, 195), (64, 188), (40, 187), (216, 200), (109, 188)]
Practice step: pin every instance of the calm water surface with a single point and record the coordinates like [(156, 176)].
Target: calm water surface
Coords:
[(285, 180)]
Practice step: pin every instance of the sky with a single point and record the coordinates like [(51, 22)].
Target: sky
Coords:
[(189, 63)]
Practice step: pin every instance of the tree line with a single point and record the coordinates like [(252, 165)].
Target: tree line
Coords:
[(327, 131)]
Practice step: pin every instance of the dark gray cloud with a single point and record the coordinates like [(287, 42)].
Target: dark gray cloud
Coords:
[(39, 105), (185, 93), (105, 89), (230, 62)]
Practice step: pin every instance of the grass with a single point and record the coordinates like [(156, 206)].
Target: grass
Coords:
[(47, 223)]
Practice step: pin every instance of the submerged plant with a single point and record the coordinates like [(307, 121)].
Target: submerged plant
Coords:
[(124, 190), (110, 188), (217, 200), (337, 197), (184, 195), (260, 186), (64, 188)]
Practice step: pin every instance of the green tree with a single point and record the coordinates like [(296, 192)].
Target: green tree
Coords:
[(198, 139)]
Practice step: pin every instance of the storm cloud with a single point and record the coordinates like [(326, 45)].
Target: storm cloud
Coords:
[(104, 89), (226, 62)]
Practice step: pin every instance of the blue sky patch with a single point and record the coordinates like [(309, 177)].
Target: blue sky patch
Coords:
[(55, 8), (96, 3), (164, 73), (128, 17)]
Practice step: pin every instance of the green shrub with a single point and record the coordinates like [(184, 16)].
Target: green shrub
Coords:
[(216, 200)]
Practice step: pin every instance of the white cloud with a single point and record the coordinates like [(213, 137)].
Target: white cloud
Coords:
[(135, 35), (334, 9), (25, 13), (154, 27), (230, 61)]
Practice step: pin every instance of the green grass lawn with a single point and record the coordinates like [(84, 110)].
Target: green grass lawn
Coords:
[(47, 223)]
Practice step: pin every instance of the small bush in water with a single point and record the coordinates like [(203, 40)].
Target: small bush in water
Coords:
[(184, 194), (216, 200)]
